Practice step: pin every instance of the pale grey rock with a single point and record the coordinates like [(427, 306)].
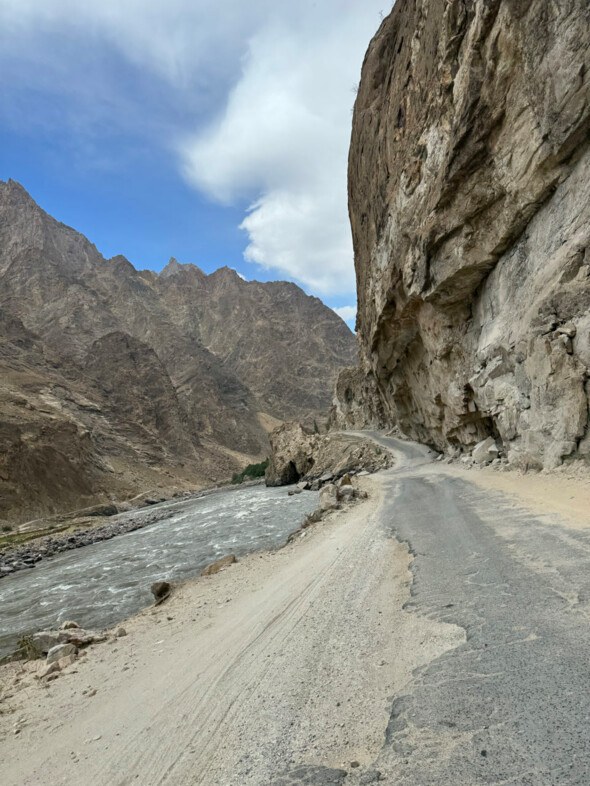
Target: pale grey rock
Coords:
[(60, 651), (469, 198), (485, 451), (346, 492), (45, 640), (328, 497)]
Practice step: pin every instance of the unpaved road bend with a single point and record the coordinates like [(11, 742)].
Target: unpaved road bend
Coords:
[(436, 634)]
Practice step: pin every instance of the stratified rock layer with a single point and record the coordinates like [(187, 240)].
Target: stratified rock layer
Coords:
[(469, 196)]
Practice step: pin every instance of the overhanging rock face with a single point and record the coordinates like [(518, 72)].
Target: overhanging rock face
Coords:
[(469, 196)]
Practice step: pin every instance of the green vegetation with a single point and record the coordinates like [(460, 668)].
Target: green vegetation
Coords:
[(251, 472), (6, 528), (315, 427)]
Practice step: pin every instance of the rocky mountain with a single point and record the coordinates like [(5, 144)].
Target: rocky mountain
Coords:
[(469, 197), (114, 380)]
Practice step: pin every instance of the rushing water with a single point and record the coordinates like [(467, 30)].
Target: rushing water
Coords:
[(99, 585)]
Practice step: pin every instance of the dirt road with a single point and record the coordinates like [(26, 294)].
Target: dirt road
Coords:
[(330, 660)]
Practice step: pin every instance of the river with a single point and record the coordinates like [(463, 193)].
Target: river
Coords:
[(102, 584)]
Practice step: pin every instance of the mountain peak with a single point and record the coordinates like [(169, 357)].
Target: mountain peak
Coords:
[(174, 266), (12, 188)]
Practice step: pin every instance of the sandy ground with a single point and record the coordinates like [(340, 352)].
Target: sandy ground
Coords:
[(285, 658), (565, 491)]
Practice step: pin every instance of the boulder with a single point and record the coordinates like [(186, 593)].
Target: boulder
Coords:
[(80, 637), (47, 669), (45, 640), (345, 480), (303, 485), (67, 660), (216, 566), (293, 492), (291, 454), (346, 492), (160, 590), (68, 625), (60, 651), (328, 497), (485, 451)]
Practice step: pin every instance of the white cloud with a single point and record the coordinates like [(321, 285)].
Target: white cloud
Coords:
[(283, 141), (278, 78), (173, 39), (347, 313)]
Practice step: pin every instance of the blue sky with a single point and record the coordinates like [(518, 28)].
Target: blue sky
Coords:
[(214, 132)]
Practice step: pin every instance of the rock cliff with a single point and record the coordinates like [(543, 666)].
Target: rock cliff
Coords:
[(114, 380), (297, 454), (469, 186)]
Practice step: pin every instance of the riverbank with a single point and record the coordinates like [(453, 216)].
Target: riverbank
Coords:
[(298, 639)]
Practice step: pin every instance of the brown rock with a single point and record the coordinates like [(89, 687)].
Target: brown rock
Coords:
[(328, 497), (160, 590), (215, 567), (69, 625)]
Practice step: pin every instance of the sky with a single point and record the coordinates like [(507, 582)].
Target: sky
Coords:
[(214, 131)]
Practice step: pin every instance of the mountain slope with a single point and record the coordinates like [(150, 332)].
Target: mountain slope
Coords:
[(184, 369)]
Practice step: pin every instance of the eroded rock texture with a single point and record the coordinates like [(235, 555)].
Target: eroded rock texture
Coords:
[(297, 454), (469, 200)]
